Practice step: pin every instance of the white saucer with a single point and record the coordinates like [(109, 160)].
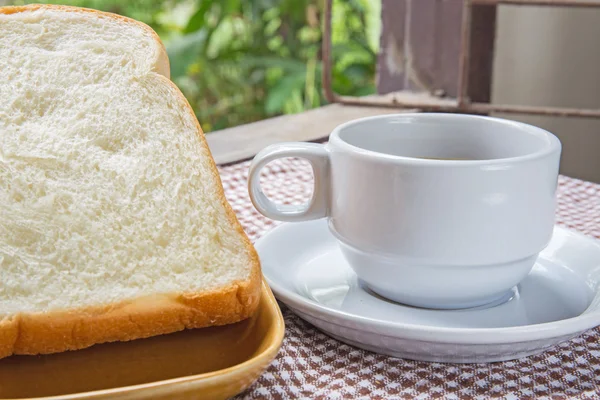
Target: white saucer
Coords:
[(556, 302)]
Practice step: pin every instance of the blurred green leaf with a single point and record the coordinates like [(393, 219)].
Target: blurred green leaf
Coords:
[(230, 7), (281, 93), (183, 51), (294, 104), (288, 64), (197, 21)]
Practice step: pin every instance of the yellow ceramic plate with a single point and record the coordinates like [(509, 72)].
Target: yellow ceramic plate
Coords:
[(209, 363)]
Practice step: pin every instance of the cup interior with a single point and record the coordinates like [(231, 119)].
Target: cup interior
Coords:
[(447, 136)]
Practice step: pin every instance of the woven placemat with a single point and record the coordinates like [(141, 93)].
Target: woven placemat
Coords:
[(312, 365)]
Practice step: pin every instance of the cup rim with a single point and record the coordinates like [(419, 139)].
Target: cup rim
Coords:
[(553, 143)]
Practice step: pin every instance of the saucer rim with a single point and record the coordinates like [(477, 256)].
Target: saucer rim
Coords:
[(524, 333)]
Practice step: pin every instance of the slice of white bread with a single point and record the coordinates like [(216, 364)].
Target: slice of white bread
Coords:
[(113, 221)]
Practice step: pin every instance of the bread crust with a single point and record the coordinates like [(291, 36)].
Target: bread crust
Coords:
[(57, 331)]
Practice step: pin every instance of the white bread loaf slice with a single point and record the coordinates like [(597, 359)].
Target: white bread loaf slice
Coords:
[(113, 221)]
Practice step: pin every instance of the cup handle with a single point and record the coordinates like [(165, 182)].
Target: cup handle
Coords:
[(318, 157)]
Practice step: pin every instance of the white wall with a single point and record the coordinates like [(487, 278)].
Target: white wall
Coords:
[(551, 57)]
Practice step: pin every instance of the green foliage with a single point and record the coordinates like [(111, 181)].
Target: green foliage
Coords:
[(239, 61)]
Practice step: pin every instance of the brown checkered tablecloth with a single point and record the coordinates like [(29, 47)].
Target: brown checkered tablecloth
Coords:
[(313, 365)]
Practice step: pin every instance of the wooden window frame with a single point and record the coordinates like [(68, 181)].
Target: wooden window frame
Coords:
[(474, 59)]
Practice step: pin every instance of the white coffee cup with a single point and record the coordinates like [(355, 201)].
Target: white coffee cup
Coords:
[(455, 232)]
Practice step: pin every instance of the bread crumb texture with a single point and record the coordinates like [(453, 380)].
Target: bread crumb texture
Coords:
[(113, 222)]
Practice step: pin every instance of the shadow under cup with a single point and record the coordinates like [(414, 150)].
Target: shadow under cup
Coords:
[(441, 210)]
